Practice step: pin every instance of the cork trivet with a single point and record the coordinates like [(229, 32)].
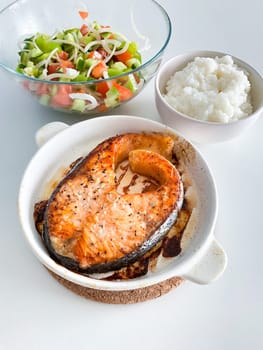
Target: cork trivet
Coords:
[(121, 297)]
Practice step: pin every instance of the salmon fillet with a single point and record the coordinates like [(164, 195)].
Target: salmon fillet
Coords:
[(90, 227)]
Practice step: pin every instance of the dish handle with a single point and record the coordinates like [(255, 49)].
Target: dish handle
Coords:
[(210, 266), (47, 131)]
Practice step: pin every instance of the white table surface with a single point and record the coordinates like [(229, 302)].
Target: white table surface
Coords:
[(38, 313)]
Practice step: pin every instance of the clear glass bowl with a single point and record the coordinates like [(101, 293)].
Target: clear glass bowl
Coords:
[(26, 17)]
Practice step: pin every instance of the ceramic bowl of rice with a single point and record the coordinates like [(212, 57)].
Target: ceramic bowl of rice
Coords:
[(208, 96)]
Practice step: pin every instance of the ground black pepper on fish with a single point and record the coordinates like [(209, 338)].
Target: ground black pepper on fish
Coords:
[(78, 222)]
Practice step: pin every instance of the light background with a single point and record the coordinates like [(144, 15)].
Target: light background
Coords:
[(37, 313)]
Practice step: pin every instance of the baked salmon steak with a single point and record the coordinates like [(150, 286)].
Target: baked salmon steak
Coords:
[(91, 226)]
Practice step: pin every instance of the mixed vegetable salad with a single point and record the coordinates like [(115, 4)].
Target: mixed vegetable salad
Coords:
[(92, 53)]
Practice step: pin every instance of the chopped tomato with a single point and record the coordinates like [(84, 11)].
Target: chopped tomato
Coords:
[(124, 57), (102, 88), (137, 78), (64, 89), (102, 52), (66, 64), (124, 92), (83, 14), (84, 29), (26, 84), (53, 68), (42, 89), (80, 89), (96, 55), (99, 69), (63, 55), (62, 99)]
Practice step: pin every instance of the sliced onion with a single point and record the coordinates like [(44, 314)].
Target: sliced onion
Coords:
[(147, 44), (97, 32), (140, 84), (61, 41), (108, 58), (93, 31), (105, 30), (74, 56), (124, 49), (106, 76), (25, 50), (47, 60), (53, 36), (70, 74), (121, 36), (91, 68), (34, 42), (107, 42), (44, 73), (86, 97), (75, 36), (92, 43)]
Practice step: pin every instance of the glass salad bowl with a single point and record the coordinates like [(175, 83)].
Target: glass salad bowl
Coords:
[(83, 57)]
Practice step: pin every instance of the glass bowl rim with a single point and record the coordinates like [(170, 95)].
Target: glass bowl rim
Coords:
[(95, 81)]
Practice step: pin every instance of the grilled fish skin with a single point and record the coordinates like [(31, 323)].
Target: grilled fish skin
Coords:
[(91, 228)]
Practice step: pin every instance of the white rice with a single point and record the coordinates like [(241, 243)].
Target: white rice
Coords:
[(210, 89)]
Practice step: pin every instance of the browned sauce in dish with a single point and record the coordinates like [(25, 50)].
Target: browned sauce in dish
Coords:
[(131, 183)]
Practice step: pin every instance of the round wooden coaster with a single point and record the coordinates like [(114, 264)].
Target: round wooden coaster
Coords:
[(122, 297)]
